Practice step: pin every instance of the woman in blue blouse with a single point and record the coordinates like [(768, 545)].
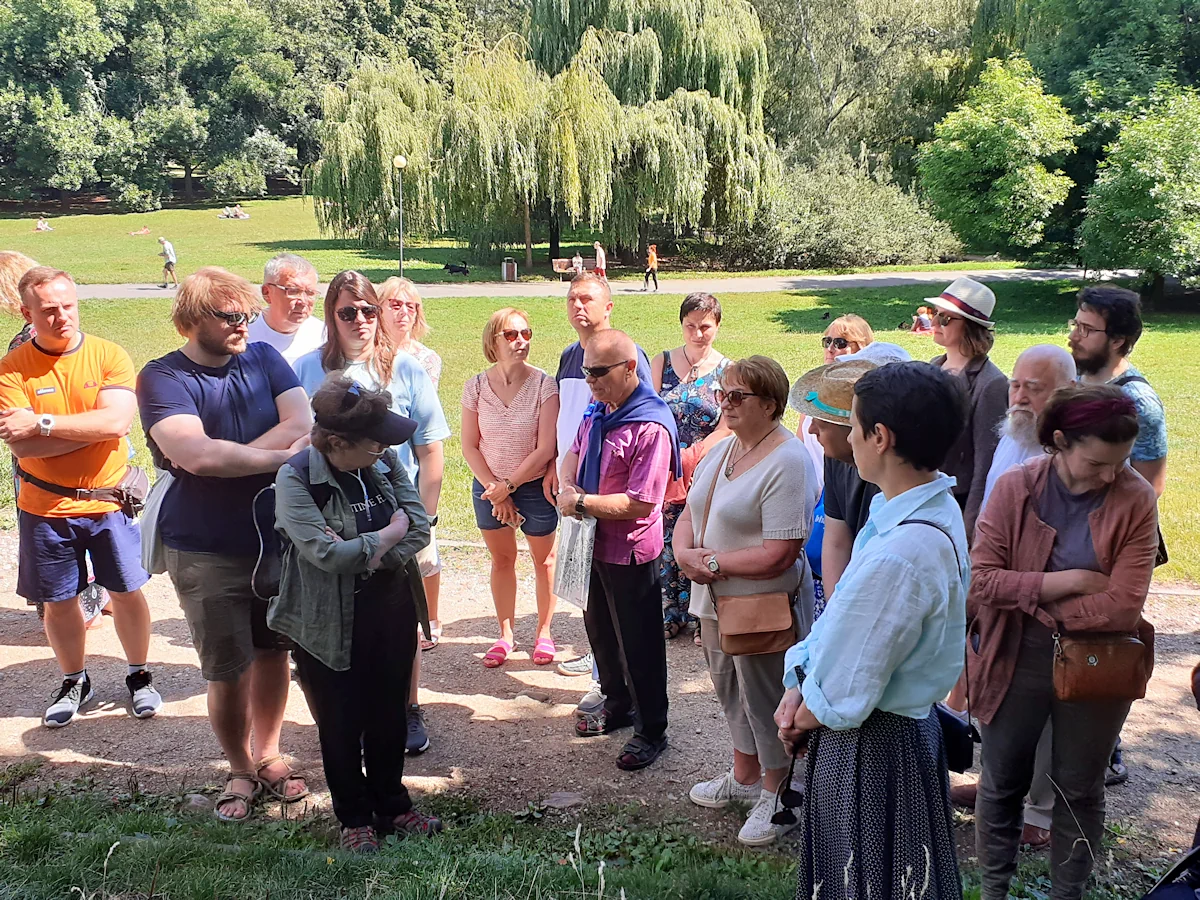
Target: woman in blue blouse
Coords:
[(861, 686)]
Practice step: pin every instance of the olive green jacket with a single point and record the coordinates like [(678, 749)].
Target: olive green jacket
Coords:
[(315, 606)]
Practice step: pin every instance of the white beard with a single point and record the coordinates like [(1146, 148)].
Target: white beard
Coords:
[(1021, 427)]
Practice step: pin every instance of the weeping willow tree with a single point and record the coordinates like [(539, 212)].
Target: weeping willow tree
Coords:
[(386, 109)]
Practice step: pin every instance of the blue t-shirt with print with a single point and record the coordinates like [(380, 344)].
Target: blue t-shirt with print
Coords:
[(1151, 443), (236, 402)]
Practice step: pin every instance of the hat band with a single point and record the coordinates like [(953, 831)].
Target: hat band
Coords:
[(965, 307), (812, 398)]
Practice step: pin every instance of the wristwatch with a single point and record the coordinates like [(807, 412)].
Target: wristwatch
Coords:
[(512, 488), (45, 423), (433, 520), (579, 505), (713, 565)]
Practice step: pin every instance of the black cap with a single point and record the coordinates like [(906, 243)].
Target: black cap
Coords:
[(389, 429)]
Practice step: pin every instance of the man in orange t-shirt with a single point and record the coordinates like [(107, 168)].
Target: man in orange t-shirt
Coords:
[(66, 403)]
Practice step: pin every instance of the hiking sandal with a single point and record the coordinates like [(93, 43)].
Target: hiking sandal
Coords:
[(230, 794), (278, 787)]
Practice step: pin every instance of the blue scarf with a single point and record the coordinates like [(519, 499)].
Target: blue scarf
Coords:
[(643, 405)]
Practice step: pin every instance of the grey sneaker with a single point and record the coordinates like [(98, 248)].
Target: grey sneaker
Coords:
[(418, 734), (592, 702), (146, 701), (759, 830), (580, 666), (71, 696), (724, 790)]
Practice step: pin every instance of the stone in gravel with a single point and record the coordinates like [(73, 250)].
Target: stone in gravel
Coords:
[(539, 696), (563, 800), (197, 803)]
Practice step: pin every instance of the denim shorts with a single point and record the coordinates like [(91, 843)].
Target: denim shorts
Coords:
[(541, 518), (54, 552)]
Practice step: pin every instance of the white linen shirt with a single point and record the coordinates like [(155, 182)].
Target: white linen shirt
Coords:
[(1008, 453), (894, 633)]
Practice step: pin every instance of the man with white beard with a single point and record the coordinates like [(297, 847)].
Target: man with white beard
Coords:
[(1038, 372)]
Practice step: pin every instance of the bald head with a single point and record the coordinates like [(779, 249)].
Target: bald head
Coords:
[(1037, 373), (613, 355), (611, 343)]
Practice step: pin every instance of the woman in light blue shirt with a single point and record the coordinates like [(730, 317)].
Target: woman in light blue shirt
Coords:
[(861, 686)]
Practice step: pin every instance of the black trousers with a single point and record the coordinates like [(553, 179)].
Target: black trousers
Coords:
[(624, 625), (360, 713), (650, 273)]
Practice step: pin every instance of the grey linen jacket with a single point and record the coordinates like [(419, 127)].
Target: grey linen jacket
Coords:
[(315, 606)]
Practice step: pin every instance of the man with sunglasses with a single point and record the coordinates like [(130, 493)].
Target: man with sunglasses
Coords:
[(616, 471), (221, 416), (290, 290)]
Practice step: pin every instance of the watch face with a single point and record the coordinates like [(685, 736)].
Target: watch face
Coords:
[(713, 566)]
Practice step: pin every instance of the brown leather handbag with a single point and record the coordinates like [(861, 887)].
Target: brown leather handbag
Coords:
[(1103, 666), (749, 624)]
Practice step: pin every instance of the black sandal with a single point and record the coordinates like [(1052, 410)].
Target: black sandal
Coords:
[(671, 630), (640, 752)]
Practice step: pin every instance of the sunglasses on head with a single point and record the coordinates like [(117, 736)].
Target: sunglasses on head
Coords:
[(838, 343), (235, 319), (350, 313), (945, 319), (735, 398), (511, 334), (601, 371)]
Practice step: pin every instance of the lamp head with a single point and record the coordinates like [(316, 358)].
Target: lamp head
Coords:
[(399, 161)]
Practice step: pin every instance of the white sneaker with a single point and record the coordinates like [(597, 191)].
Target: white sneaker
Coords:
[(759, 830), (723, 790)]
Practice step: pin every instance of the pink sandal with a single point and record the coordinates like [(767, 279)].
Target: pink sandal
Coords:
[(496, 656), (543, 652)]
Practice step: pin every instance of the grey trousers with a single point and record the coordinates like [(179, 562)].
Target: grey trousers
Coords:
[(1081, 743)]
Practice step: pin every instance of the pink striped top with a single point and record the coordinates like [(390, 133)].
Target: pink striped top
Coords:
[(508, 434)]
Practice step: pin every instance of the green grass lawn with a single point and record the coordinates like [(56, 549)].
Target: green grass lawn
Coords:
[(98, 249), (785, 326)]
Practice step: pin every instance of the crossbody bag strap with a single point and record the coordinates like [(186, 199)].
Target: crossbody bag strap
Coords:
[(712, 489)]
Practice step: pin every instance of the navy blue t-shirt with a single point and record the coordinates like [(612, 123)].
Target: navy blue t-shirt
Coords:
[(235, 403)]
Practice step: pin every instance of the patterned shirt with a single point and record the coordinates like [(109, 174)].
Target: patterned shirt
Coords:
[(1151, 443), (508, 433)]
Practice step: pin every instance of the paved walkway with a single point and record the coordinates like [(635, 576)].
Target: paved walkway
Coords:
[(718, 284)]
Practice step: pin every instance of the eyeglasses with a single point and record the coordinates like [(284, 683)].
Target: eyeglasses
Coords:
[(945, 319), (350, 313), (735, 398), (1085, 330), (601, 371), (235, 319), (295, 293), (512, 334), (838, 343)]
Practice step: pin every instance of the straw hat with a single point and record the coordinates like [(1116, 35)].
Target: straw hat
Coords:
[(827, 391), (968, 298)]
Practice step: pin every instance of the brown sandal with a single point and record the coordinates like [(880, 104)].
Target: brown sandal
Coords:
[(230, 794), (278, 787)]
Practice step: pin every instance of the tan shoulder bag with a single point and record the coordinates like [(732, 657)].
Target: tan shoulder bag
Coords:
[(749, 624)]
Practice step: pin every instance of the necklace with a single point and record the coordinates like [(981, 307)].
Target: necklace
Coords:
[(696, 366), (733, 462)]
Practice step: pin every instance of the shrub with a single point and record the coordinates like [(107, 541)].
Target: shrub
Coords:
[(236, 176)]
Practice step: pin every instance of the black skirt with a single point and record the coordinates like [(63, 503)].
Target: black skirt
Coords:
[(876, 818)]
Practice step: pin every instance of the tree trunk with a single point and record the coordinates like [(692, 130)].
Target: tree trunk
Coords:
[(188, 193), (1153, 292), (555, 237), (528, 240), (643, 247)]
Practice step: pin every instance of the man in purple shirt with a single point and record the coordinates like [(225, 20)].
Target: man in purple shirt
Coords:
[(617, 472)]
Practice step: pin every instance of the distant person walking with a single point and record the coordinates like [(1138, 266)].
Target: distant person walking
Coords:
[(601, 261), (651, 268), (169, 260)]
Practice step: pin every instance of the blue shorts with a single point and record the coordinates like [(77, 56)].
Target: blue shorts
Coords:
[(54, 552), (541, 518)]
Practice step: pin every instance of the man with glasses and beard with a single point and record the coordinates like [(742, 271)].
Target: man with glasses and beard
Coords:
[(1105, 329), (222, 416), (290, 290)]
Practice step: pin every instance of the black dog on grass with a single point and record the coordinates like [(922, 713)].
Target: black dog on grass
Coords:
[(456, 270)]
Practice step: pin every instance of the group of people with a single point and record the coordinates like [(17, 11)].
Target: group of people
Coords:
[(923, 516)]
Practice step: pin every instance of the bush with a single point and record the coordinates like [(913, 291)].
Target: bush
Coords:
[(838, 215), (236, 177)]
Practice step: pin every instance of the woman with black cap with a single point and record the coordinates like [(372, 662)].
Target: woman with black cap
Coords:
[(350, 596)]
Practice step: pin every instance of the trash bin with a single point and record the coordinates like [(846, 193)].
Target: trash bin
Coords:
[(508, 271)]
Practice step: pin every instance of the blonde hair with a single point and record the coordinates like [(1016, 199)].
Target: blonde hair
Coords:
[(764, 377), (494, 326), (208, 289), (12, 266), (397, 287), (37, 276), (854, 329)]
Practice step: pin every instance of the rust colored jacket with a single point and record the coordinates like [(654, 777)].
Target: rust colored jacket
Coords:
[(1008, 562)]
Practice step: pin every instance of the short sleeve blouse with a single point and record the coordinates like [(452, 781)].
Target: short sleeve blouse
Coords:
[(508, 433)]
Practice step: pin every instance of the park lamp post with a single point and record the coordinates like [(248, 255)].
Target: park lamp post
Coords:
[(398, 163)]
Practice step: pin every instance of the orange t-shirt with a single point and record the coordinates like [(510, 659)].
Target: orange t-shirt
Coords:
[(61, 385), (651, 259)]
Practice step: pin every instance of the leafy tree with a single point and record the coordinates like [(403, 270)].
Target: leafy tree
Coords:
[(1143, 211), (985, 172)]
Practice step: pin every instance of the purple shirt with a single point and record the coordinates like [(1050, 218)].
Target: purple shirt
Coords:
[(636, 460)]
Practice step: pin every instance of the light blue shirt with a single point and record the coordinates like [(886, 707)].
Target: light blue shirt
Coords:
[(894, 632), (413, 396)]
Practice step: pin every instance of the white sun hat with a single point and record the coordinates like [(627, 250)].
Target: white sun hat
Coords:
[(968, 298)]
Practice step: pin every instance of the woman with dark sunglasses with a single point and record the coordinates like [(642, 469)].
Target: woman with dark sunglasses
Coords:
[(845, 334), (509, 417)]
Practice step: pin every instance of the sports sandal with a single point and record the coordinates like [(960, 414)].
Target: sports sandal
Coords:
[(278, 787), (230, 794), (435, 636), (640, 752), (496, 656), (543, 652), (602, 722)]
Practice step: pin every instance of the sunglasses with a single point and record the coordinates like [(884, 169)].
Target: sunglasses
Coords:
[(788, 798), (944, 319), (735, 398), (402, 304), (235, 319), (838, 343), (512, 334), (350, 313), (601, 371)]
